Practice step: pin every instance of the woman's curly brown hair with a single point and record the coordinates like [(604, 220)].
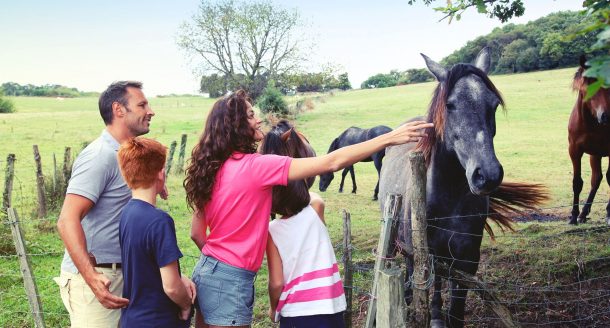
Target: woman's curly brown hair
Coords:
[(226, 131)]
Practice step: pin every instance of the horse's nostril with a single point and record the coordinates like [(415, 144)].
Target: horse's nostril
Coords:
[(477, 177), (604, 118)]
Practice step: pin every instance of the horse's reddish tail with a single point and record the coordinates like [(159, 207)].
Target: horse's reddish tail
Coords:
[(513, 199)]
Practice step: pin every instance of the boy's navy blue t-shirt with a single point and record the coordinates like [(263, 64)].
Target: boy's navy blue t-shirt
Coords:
[(148, 243)]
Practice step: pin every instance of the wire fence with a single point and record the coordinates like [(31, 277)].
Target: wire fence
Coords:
[(546, 273)]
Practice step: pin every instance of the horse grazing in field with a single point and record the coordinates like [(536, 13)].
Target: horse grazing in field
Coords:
[(352, 136), (588, 132), (464, 178)]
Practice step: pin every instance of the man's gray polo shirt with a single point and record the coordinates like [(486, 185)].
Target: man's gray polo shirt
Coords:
[(97, 177)]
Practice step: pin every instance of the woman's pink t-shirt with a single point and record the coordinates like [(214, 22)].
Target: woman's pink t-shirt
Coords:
[(238, 212)]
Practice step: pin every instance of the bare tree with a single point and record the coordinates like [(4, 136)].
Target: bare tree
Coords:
[(243, 41)]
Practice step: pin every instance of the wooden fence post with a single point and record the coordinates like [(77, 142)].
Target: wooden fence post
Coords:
[(8, 182), (421, 270), (385, 248), (67, 169), (170, 157), (42, 203), (347, 267), (26, 269), (390, 301), (180, 164), (54, 174)]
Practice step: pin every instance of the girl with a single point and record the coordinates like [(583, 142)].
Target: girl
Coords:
[(305, 289), (229, 186)]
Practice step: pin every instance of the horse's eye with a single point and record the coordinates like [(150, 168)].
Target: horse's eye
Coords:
[(450, 106)]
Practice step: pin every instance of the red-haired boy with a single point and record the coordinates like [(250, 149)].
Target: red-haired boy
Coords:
[(158, 295)]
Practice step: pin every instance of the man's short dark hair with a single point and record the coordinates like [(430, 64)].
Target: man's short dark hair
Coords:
[(115, 93)]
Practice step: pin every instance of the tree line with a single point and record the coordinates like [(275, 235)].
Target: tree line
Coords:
[(47, 90), (549, 42)]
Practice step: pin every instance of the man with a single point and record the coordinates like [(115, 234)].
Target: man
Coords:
[(91, 280)]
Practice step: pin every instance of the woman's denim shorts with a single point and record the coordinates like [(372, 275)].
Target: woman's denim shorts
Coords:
[(225, 294)]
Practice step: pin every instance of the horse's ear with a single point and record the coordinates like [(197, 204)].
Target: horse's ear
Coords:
[(483, 60), (439, 72), (286, 135), (583, 61)]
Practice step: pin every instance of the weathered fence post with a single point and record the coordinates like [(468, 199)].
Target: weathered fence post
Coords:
[(67, 169), (385, 248), (8, 182), (180, 164), (170, 158), (390, 301), (42, 203), (26, 269), (347, 267), (54, 174), (421, 269)]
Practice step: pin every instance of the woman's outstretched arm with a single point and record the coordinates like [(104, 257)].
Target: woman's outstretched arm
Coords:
[(301, 168)]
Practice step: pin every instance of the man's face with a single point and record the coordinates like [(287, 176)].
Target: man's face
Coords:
[(137, 112)]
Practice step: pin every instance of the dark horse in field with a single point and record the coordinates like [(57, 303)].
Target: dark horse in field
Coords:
[(352, 136), (464, 178), (588, 132)]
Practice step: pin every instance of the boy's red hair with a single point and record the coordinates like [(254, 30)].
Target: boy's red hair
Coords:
[(140, 160)]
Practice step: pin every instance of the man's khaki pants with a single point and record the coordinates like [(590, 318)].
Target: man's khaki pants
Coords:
[(82, 305)]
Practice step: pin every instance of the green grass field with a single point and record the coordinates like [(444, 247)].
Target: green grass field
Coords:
[(531, 143)]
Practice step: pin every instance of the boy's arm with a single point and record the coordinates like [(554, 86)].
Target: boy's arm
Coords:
[(276, 276), (174, 288), (198, 229), (317, 203)]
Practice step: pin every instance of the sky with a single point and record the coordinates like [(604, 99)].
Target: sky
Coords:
[(89, 44)]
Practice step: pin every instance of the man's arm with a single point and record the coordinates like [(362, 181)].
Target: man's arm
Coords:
[(70, 229), (175, 289)]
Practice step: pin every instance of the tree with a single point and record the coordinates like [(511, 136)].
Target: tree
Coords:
[(344, 83), (243, 42), (271, 101)]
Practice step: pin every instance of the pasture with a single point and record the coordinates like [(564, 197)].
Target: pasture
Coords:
[(531, 144)]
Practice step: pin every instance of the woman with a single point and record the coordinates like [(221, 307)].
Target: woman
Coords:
[(229, 186)]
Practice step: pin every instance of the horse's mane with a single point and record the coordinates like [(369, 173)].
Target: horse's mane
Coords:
[(513, 199), (579, 79), (437, 111), (334, 145)]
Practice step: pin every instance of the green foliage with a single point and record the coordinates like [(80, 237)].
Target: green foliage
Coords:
[(6, 106), (599, 10), (47, 90), (272, 101), (410, 76), (500, 9), (538, 45)]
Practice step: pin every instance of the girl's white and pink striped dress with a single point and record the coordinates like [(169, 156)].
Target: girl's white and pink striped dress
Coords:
[(312, 284)]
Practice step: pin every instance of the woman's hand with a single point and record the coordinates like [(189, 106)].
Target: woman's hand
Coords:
[(409, 132)]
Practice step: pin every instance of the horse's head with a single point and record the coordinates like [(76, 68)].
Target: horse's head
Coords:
[(463, 111), (285, 140), (325, 180), (598, 105)]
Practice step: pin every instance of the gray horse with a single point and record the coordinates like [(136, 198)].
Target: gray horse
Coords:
[(462, 173)]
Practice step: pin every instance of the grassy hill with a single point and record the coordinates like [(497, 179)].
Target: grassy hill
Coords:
[(531, 143)]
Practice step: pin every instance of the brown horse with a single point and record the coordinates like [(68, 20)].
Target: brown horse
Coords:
[(588, 132)]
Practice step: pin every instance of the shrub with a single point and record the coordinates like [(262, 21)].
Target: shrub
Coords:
[(6, 106), (271, 101)]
